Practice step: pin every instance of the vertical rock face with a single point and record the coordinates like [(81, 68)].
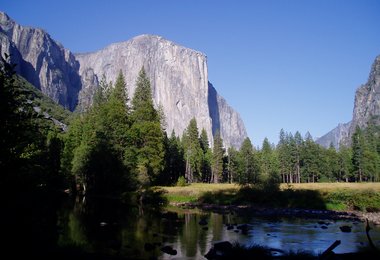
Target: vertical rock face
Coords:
[(367, 99), (179, 80), (366, 108), (178, 76), (42, 61)]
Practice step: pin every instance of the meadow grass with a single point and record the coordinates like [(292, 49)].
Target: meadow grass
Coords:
[(332, 196), (364, 186)]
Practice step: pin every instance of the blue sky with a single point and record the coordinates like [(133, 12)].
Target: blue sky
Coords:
[(288, 64)]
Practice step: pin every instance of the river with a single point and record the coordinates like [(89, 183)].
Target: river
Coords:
[(104, 227)]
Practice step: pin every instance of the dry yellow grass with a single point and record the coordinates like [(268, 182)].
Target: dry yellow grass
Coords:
[(334, 186), (196, 189)]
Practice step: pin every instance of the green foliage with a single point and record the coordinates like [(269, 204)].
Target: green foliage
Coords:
[(206, 160), (233, 163), (354, 200), (365, 153), (181, 182), (193, 152), (29, 142), (248, 164), (269, 164), (95, 144), (146, 152), (258, 195), (174, 161), (142, 101), (217, 158)]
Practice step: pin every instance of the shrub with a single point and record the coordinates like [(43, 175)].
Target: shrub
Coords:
[(181, 182)]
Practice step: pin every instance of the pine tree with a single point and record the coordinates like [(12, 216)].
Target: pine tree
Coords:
[(115, 115), (206, 157), (193, 152), (284, 157), (345, 163), (142, 102), (233, 164), (175, 165), (268, 160), (358, 147), (217, 158), (332, 170), (145, 154), (298, 146), (310, 161), (95, 143), (249, 170)]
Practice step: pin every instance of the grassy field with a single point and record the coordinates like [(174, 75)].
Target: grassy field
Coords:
[(333, 196), (193, 192), (334, 186)]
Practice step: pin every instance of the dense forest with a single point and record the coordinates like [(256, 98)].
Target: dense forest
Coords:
[(119, 145)]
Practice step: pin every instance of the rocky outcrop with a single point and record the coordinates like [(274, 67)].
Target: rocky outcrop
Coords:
[(366, 108), (367, 99), (178, 75), (179, 80), (335, 136), (42, 61)]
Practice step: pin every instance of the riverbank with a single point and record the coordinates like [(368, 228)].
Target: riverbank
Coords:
[(357, 201), (354, 216)]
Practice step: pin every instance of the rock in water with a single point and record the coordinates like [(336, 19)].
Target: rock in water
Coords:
[(169, 250), (345, 229)]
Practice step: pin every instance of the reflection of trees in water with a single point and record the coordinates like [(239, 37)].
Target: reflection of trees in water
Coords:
[(195, 238), (92, 226), (110, 228), (29, 223)]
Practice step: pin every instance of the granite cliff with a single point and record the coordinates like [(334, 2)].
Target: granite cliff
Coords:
[(366, 108), (179, 76)]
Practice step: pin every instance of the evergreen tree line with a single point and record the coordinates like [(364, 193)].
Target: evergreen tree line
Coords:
[(294, 159), (120, 145), (298, 159)]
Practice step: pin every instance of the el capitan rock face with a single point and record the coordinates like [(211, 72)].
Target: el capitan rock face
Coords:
[(179, 80), (178, 75), (366, 108)]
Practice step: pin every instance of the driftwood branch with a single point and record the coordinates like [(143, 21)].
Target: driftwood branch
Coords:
[(329, 250)]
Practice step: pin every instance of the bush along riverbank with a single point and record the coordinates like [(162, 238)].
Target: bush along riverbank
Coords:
[(287, 201)]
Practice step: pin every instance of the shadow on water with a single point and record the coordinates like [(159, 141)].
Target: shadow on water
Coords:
[(29, 222), (46, 225), (288, 198)]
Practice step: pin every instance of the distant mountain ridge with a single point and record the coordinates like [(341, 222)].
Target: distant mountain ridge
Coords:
[(179, 76), (366, 108)]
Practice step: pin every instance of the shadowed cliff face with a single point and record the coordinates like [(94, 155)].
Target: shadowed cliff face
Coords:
[(178, 75), (366, 108), (42, 61), (225, 119), (213, 108)]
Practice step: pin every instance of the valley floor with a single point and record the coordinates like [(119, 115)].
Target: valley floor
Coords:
[(321, 200)]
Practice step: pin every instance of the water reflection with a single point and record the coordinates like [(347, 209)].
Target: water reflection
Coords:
[(106, 227)]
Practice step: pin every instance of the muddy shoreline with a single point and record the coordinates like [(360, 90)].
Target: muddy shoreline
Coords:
[(373, 217)]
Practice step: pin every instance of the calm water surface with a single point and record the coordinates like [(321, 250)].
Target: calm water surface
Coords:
[(104, 227)]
